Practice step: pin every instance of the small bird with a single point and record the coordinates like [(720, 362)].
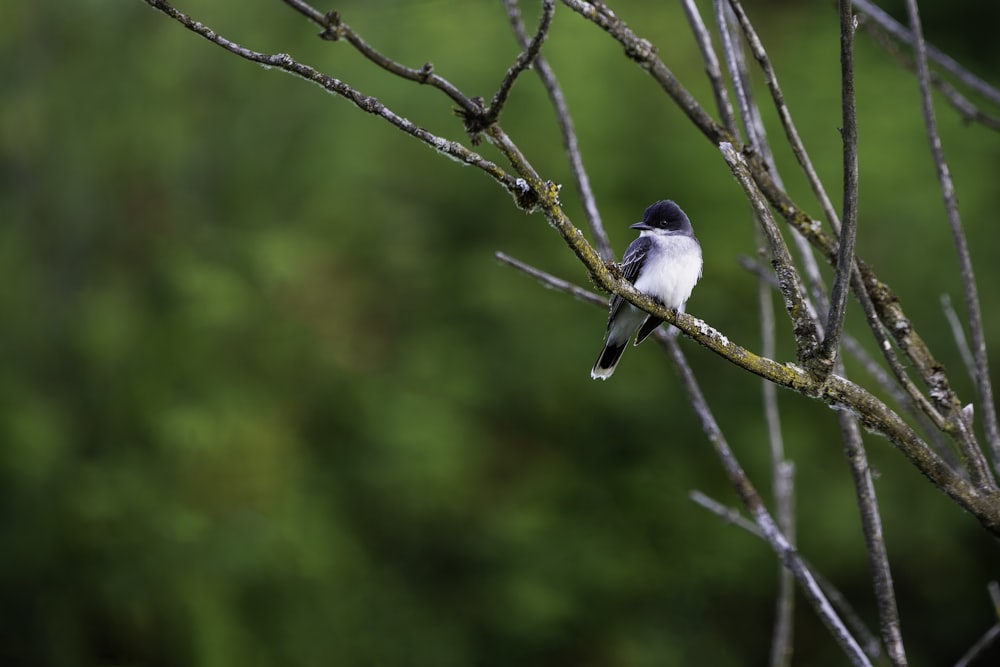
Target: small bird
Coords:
[(663, 263)]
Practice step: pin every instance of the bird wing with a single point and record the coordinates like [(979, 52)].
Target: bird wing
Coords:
[(632, 262)]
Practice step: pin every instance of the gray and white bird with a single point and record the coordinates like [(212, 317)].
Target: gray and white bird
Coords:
[(663, 263)]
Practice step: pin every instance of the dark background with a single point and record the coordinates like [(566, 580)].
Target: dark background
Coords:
[(268, 399)]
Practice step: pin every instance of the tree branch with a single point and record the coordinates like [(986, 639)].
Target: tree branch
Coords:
[(789, 282), (528, 55), (712, 68), (783, 476), (334, 29), (830, 346), (871, 524), (978, 468)]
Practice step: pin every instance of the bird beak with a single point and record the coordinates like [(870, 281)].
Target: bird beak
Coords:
[(640, 225)]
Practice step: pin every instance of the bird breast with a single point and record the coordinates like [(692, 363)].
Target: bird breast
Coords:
[(673, 273)]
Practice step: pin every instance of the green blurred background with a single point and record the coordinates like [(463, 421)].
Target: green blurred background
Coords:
[(268, 399)]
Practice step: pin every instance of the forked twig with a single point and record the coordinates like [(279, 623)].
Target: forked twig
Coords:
[(528, 55)]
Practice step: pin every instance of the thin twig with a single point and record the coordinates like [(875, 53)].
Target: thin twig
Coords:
[(784, 624), (529, 53), (830, 347), (977, 468), (958, 333), (552, 282), (782, 472), (569, 139), (730, 515), (789, 282), (733, 56), (712, 69), (980, 647), (335, 29), (990, 636), (871, 525)]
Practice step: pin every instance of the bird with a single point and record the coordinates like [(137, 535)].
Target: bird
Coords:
[(665, 264)]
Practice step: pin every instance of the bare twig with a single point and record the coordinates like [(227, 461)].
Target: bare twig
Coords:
[(784, 623), (990, 636), (871, 524), (335, 29), (552, 282), (980, 647), (783, 474), (830, 347), (712, 69), (569, 139), (969, 111), (733, 56), (958, 333), (789, 282), (871, 521), (977, 467), (728, 514), (528, 55)]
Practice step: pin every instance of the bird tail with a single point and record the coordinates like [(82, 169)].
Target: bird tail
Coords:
[(648, 327), (606, 363)]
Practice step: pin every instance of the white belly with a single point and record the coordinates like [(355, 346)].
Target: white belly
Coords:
[(675, 274)]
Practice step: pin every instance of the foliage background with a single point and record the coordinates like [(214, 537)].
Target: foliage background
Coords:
[(268, 399)]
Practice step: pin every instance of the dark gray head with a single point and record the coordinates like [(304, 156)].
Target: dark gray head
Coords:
[(665, 217)]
